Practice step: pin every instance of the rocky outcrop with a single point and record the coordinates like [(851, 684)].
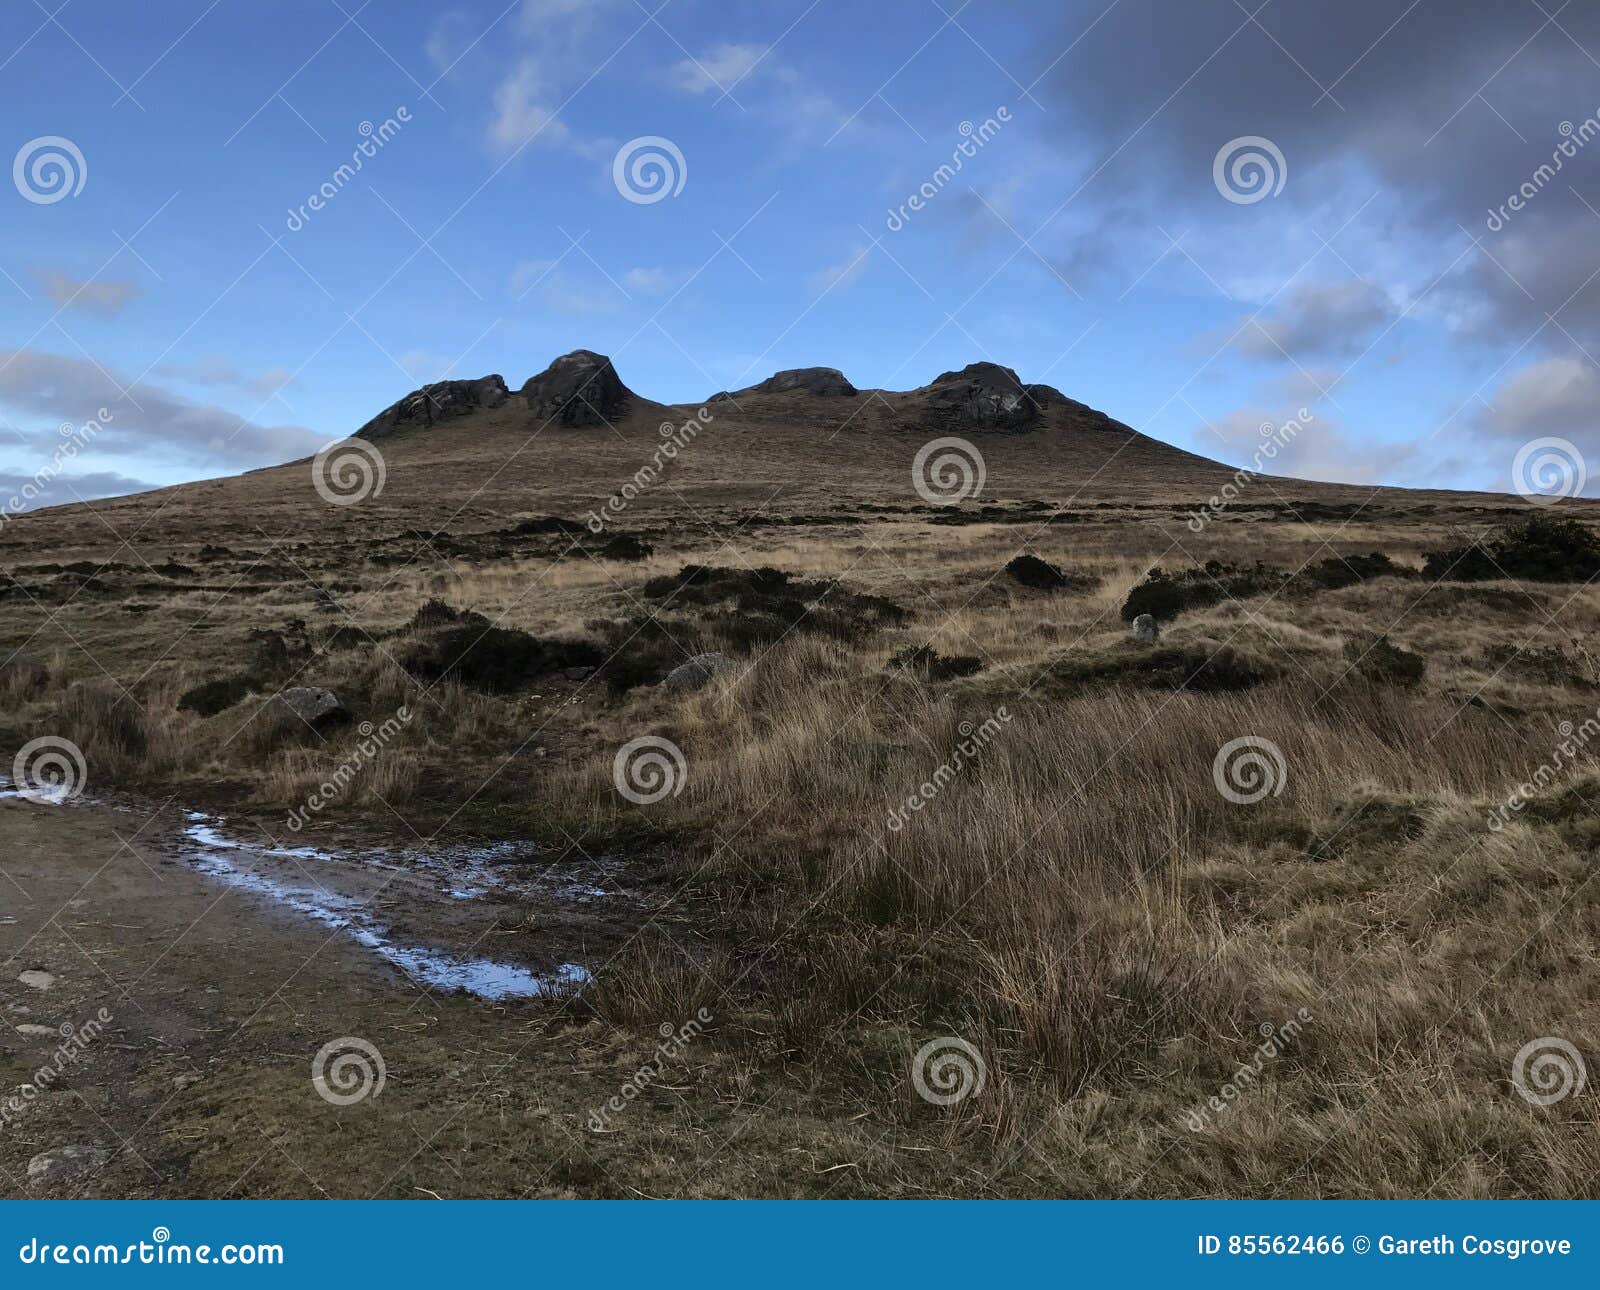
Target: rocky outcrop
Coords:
[(441, 401), (987, 395), (828, 382), (578, 389)]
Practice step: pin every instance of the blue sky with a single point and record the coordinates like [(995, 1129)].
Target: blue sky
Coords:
[(1088, 242)]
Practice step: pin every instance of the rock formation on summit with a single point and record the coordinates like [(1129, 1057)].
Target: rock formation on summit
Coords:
[(829, 382), (986, 394), (441, 401), (578, 389)]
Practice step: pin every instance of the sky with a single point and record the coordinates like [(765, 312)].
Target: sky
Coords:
[(1204, 217)]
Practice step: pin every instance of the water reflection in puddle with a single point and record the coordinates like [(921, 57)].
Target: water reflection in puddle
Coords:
[(482, 977)]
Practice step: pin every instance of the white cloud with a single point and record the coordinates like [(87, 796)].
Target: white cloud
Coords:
[(720, 68), (1317, 449), (1558, 396), (647, 282), (842, 276), (216, 369)]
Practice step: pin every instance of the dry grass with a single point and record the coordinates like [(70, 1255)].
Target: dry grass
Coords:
[(1077, 900)]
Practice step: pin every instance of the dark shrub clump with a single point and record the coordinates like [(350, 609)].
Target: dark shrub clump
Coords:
[(1380, 660), (212, 697), (1540, 548), (495, 660), (624, 546), (1165, 595), (438, 614), (1041, 575), (930, 665)]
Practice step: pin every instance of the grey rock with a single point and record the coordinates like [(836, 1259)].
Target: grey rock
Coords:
[(578, 389), (61, 1163), (312, 705), (698, 672), (37, 978), (1145, 630), (986, 394), (441, 401), (829, 382)]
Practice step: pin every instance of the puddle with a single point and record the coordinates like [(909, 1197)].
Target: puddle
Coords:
[(314, 894)]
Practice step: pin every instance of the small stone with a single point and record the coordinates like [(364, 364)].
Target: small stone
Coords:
[(1145, 630), (43, 1032), (182, 1082), (37, 979), (578, 673), (697, 673), (61, 1163), (312, 705)]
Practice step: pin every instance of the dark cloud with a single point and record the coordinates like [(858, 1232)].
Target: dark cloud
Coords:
[(20, 493), (1319, 320), (105, 298), (143, 417), (1419, 108)]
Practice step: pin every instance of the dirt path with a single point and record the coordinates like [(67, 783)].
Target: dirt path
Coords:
[(197, 1007)]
